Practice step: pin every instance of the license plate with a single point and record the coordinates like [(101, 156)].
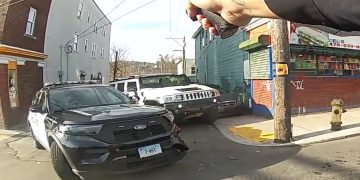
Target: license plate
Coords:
[(148, 151)]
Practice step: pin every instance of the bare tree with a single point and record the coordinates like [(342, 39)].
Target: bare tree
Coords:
[(167, 64), (123, 55)]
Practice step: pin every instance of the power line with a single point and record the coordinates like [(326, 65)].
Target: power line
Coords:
[(111, 11), (120, 17), (170, 16)]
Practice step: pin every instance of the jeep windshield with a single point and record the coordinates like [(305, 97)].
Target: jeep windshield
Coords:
[(79, 97), (164, 81)]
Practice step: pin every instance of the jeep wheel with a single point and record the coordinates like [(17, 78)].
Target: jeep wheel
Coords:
[(210, 116), (60, 163), (36, 143)]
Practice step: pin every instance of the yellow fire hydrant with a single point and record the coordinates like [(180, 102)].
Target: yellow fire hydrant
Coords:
[(337, 106)]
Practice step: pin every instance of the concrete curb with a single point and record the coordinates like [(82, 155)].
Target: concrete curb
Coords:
[(342, 134)]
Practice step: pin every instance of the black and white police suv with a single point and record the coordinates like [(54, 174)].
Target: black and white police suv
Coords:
[(92, 129), (174, 92)]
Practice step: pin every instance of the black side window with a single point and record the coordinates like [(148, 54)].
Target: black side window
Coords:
[(42, 101), (120, 87), (35, 101), (131, 86)]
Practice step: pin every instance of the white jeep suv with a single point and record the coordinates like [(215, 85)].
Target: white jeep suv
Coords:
[(174, 92)]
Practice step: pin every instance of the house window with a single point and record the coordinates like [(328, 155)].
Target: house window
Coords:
[(76, 41), (96, 24), (89, 17), (211, 37), (93, 51), (203, 40), (103, 31), (80, 10), (193, 70), (102, 51), (30, 26), (86, 45)]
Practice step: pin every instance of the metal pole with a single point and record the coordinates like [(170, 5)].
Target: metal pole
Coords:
[(184, 61), (67, 66)]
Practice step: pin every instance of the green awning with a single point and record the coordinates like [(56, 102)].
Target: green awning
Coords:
[(259, 41)]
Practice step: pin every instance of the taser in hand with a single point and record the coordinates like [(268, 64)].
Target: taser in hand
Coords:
[(224, 28)]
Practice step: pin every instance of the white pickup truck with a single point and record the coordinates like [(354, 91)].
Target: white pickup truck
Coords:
[(174, 92)]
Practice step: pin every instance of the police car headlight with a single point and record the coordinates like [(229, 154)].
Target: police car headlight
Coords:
[(168, 99), (170, 116), (80, 130)]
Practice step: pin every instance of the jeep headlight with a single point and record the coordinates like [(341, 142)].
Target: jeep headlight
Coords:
[(179, 97), (80, 130), (216, 93), (170, 116), (168, 99)]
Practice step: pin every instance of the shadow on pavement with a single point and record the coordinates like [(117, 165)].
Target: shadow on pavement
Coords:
[(318, 133), (213, 156)]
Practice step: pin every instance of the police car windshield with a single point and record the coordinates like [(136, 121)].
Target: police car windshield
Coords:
[(80, 97), (164, 81)]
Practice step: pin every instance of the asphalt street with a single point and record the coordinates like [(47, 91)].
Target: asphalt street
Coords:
[(211, 157)]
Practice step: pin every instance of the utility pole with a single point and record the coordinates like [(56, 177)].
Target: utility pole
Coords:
[(115, 64), (183, 45), (281, 60)]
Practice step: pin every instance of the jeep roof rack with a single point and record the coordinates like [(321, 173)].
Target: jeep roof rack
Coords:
[(53, 84)]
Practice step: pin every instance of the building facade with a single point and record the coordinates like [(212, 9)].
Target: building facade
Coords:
[(322, 66), (220, 61), (77, 42), (190, 68), (22, 33)]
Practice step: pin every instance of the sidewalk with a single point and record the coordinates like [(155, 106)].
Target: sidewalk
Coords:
[(307, 129), (6, 134)]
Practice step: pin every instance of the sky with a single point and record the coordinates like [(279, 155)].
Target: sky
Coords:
[(144, 31)]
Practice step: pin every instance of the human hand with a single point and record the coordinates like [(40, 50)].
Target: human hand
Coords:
[(233, 11)]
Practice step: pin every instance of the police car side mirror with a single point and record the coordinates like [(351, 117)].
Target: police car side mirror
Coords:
[(36, 108)]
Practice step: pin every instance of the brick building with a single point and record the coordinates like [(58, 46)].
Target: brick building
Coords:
[(22, 34)]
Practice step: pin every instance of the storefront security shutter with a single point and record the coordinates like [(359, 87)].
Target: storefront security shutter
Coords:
[(260, 64)]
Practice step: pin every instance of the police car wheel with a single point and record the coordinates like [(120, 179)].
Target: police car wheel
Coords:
[(36, 143), (60, 163)]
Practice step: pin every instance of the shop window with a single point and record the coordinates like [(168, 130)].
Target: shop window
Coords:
[(332, 63)]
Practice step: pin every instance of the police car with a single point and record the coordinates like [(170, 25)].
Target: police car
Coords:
[(91, 129)]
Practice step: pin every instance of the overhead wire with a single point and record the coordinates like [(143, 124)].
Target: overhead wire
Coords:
[(116, 19), (93, 25)]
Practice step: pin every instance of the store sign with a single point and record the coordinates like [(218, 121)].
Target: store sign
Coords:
[(303, 35)]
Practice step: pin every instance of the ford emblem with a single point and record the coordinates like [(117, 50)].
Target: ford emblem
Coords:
[(140, 127)]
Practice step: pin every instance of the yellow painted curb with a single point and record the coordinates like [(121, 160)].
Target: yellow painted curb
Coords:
[(251, 133)]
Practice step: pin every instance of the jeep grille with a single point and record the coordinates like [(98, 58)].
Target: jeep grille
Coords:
[(198, 95)]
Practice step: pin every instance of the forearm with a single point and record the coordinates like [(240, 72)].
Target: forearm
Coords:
[(339, 14)]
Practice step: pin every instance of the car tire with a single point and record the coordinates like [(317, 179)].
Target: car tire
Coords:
[(36, 143), (60, 163), (210, 116)]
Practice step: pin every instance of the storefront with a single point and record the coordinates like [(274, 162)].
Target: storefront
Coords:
[(20, 77), (323, 66)]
